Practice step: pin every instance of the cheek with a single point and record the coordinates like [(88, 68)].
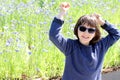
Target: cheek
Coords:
[(79, 33), (93, 35)]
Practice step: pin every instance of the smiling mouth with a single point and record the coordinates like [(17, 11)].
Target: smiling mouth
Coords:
[(85, 37)]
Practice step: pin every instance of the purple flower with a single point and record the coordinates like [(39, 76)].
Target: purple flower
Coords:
[(8, 42), (17, 50), (29, 52)]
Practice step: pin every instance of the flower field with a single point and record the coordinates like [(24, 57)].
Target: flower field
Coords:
[(25, 49)]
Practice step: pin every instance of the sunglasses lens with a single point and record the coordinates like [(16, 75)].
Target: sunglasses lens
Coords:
[(83, 29), (91, 30)]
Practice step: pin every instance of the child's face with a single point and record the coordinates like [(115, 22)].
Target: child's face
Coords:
[(86, 34)]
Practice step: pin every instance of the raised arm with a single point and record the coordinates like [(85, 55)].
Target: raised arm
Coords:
[(113, 33), (54, 33), (64, 7)]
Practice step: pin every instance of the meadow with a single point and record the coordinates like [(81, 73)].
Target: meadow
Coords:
[(25, 48)]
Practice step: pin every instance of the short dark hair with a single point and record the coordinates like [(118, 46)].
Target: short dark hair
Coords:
[(90, 20)]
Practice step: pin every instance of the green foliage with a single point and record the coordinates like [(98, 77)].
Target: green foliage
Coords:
[(25, 48)]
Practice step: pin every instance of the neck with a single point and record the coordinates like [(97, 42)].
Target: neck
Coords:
[(86, 44)]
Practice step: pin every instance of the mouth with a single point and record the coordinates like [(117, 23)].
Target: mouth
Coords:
[(84, 37)]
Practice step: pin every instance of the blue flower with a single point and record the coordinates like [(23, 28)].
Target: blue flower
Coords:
[(8, 42), (29, 52), (17, 50)]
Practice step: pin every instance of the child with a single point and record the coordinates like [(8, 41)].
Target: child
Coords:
[(84, 56)]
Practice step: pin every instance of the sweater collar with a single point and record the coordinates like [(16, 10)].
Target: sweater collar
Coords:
[(85, 46)]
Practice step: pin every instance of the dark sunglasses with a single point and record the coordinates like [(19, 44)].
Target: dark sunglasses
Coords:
[(90, 30)]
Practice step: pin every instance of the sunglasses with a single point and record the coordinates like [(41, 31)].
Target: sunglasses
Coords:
[(90, 30)]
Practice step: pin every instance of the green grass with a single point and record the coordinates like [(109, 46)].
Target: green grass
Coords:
[(25, 47)]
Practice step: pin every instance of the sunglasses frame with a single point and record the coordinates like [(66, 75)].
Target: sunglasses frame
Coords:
[(89, 30)]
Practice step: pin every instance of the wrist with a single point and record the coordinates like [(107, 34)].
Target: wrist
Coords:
[(102, 22), (61, 15)]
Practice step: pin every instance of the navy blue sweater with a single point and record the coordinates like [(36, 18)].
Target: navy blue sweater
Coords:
[(82, 62)]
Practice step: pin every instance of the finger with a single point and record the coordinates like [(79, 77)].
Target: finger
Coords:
[(67, 6), (97, 15)]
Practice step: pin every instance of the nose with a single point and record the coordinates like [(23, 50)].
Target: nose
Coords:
[(86, 32)]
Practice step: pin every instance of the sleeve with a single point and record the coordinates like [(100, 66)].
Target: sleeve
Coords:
[(55, 36), (112, 37)]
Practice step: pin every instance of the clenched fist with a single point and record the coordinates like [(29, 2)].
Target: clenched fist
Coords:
[(64, 6)]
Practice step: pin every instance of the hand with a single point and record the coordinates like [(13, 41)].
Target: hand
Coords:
[(64, 7), (99, 19)]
